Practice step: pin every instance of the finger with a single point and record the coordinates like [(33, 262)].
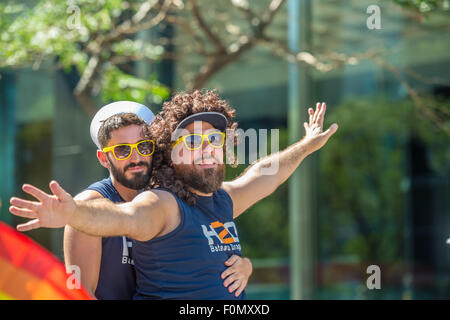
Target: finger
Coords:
[(331, 130), (322, 114), (30, 225), (305, 125), (311, 113), (58, 191), (316, 113), (234, 286), (232, 260), (230, 279), (24, 213), (35, 192), (227, 272), (241, 288), (25, 204)]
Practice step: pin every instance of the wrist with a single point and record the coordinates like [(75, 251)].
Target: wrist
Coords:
[(306, 146), (71, 212), (249, 266)]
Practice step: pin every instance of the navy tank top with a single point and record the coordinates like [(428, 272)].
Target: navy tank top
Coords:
[(117, 278), (187, 262)]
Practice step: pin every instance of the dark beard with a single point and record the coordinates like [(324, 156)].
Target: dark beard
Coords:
[(204, 180), (139, 181)]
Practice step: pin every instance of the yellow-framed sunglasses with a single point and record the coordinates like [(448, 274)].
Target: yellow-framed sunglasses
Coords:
[(194, 141), (123, 151)]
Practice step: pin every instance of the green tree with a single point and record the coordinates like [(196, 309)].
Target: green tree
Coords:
[(97, 39), (364, 177)]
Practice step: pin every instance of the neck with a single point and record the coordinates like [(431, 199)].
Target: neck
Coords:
[(127, 194)]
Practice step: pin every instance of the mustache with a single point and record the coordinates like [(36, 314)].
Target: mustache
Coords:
[(200, 159), (132, 165)]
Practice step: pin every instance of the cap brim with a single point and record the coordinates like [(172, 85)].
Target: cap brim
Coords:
[(216, 119)]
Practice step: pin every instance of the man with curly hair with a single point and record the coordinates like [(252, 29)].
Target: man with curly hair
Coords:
[(106, 264), (185, 227)]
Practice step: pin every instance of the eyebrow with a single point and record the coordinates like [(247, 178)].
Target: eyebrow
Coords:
[(128, 142)]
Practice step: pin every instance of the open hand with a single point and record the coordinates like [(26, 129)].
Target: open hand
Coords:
[(315, 138), (52, 211), (237, 274)]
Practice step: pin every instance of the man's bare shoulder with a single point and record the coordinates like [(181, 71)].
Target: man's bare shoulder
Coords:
[(170, 205), (167, 202), (227, 186), (164, 199)]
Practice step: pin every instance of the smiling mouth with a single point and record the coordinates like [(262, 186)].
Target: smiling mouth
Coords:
[(206, 165), (135, 169), (206, 162)]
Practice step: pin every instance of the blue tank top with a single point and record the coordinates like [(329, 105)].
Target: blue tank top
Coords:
[(187, 262), (117, 278)]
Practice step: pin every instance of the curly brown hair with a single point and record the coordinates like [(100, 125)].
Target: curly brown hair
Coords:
[(173, 112)]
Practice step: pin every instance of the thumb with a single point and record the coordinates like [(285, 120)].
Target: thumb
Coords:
[(331, 130), (305, 125), (59, 192)]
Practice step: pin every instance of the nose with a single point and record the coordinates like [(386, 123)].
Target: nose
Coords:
[(204, 152), (207, 149), (134, 154)]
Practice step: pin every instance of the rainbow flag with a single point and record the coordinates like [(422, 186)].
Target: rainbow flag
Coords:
[(30, 272)]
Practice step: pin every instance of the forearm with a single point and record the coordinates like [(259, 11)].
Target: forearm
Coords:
[(101, 217), (273, 170), (265, 176)]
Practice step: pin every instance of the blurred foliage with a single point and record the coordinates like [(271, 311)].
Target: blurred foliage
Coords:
[(363, 184), (264, 228), (119, 85), (66, 32), (364, 178), (424, 6)]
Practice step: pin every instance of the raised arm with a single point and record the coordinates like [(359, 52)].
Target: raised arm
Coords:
[(141, 219), (260, 180)]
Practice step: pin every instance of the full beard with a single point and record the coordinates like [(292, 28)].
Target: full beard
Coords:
[(139, 181), (206, 180)]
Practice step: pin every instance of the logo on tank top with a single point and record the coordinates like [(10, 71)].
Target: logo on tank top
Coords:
[(222, 236), (126, 257)]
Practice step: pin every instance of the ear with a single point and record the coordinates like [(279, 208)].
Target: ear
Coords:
[(101, 156)]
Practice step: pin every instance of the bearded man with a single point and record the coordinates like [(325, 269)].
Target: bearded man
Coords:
[(184, 228)]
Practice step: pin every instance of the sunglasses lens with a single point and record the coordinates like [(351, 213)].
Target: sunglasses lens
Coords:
[(146, 147), (193, 141), (216, 139), (122, 151)]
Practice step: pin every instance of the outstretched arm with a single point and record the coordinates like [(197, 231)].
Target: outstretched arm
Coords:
[(141, 219), (260, 180)]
